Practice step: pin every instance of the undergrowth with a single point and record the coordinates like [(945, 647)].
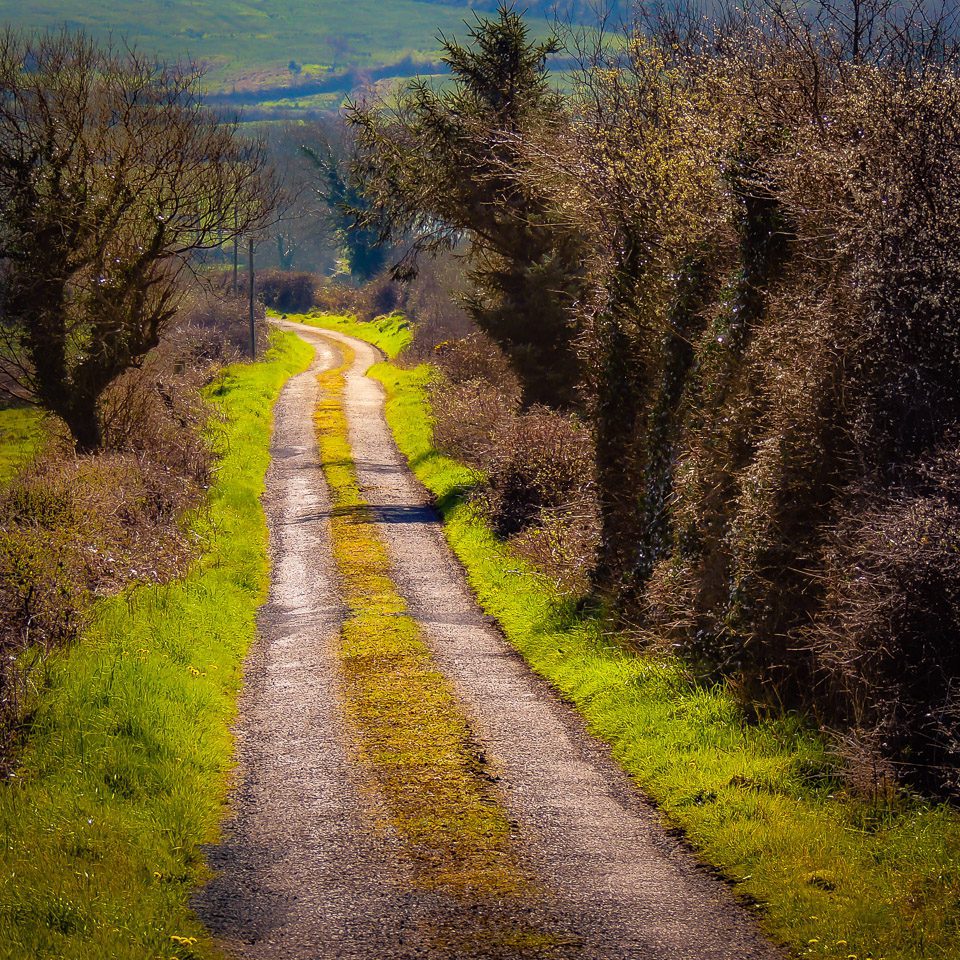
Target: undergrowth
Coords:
[(834, 876), (126, 764)]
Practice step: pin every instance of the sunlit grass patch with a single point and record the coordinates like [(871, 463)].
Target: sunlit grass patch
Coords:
[(390, 333), (21, 435), (126, 765), (834, 876)]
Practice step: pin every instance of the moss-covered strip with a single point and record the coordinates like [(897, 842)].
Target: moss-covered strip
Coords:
[(411, 733)]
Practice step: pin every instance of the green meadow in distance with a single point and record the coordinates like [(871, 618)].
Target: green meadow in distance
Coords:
[(261, 45)]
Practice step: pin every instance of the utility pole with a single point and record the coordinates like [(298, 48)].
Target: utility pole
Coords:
[(253, 325), (236, 257)]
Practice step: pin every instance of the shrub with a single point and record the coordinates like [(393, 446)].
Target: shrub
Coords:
[(539, 489), (475, 398), (886, 636), (477, 358), (539, 464), (213, 328), (331, 296), (286, 291), (74, 528)]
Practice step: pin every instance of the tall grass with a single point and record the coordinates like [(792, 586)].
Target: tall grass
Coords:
[(834, 876), (128, 754)]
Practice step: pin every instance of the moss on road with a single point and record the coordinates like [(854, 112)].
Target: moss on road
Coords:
[(412, 735)]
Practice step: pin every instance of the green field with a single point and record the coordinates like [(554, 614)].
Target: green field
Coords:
[(249, 44)]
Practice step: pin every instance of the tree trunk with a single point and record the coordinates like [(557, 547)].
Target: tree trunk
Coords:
[(83, 420), (619, 404)]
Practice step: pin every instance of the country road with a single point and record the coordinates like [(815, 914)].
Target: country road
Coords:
[(310, 867)]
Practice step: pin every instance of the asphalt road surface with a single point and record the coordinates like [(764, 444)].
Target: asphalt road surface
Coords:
[(307, 870)]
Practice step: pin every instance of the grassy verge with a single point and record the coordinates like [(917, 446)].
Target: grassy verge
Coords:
[(834, 876), (21, 434), (390, 333), (127, 761), (412, 736)]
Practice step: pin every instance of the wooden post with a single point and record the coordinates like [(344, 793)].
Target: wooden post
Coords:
[(253, 325), (236, 257)]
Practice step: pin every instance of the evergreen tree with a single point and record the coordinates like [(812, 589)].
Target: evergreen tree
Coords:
[(349, 211), (443, 167)]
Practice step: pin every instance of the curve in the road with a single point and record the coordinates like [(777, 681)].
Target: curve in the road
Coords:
[(308, 869)]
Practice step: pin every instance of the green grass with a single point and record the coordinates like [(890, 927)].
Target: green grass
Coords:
[(128, 757), (250, 43), (834, 876), (391, 333), (21, 433)]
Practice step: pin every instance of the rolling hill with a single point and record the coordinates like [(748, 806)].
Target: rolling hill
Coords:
[(278, 54)]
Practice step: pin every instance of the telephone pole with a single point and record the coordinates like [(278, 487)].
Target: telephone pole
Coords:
[(253, 325)]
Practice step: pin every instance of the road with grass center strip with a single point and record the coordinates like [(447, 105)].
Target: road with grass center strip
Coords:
[(407, 787)]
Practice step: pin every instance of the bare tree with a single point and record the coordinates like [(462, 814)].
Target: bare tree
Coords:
[(113, 176)]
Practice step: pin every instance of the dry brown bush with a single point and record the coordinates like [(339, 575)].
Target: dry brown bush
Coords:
[(476, 357), (72, 529), (540, 463), (539, 490), (156, 412), (286, 291), (473, 399), (885, 635), (331, 296), (469, 418), (213, 327)]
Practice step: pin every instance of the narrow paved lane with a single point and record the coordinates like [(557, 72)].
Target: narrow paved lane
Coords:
[(300, 873), (304, 873)]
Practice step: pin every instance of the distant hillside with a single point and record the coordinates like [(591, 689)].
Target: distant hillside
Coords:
[(305, 52)]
